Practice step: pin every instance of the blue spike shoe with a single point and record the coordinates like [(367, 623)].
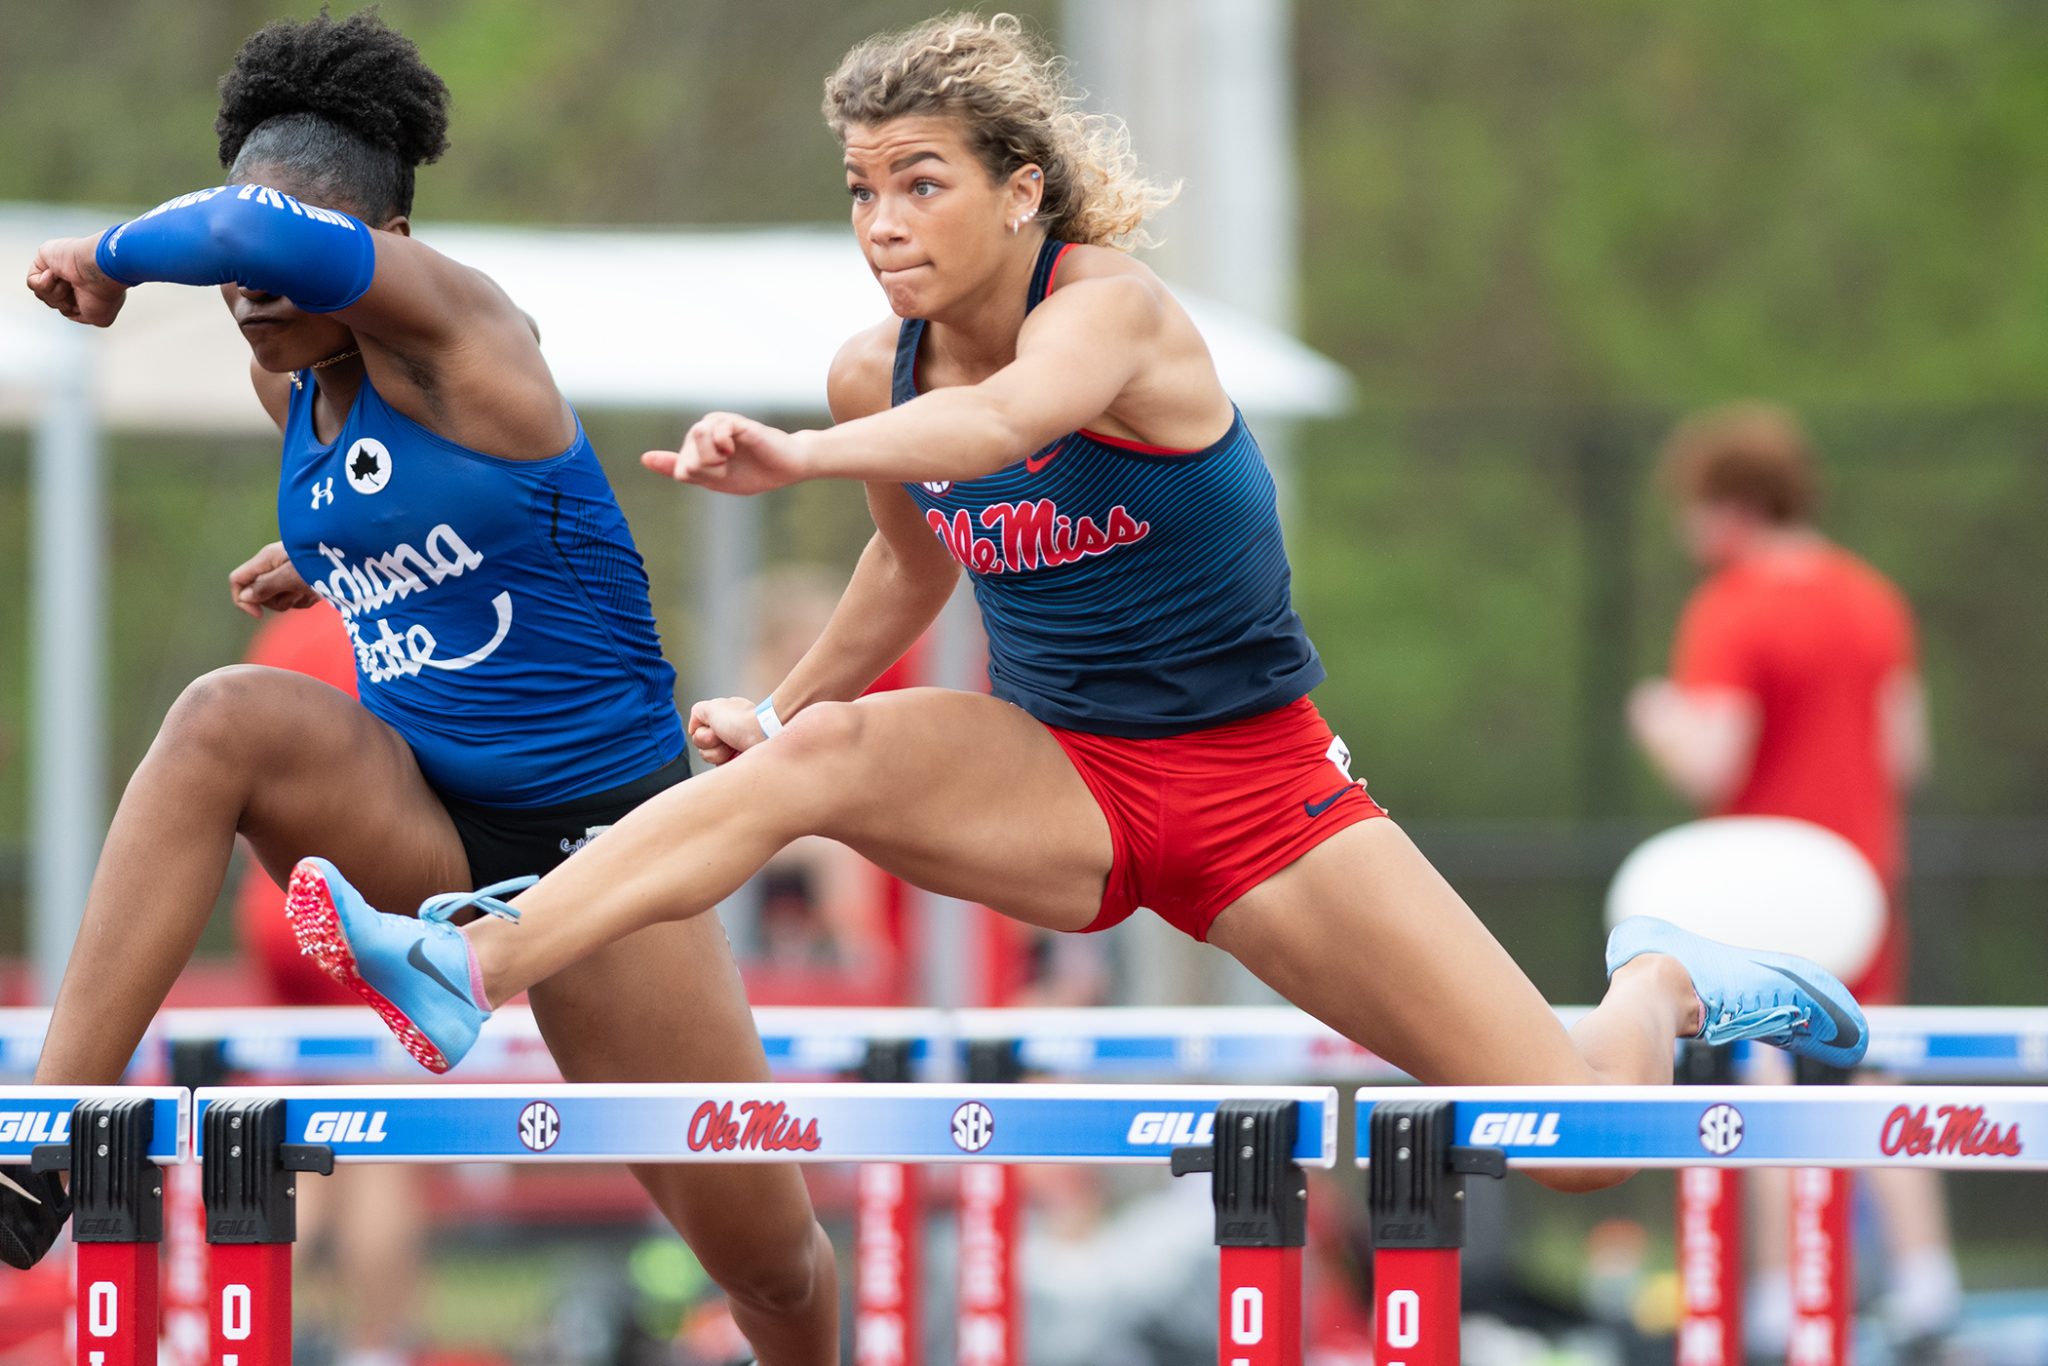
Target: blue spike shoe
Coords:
[(1779, 998), (415, 972)]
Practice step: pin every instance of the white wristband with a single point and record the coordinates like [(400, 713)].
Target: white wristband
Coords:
[(771, 724)]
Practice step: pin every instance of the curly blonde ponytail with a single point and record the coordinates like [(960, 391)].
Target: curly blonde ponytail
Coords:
[(1018, 107)]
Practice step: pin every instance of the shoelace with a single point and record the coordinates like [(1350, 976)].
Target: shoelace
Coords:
[(1761, 1022), (445, 905)]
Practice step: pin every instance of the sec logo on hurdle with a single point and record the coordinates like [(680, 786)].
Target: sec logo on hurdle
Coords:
[(974, 1126), (540, 1124), (1721, 1130)]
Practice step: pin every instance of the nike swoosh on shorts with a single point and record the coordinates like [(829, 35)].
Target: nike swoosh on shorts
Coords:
[(1315, 809)]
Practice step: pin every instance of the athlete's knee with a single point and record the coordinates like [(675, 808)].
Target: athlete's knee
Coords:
[(824, 732), (825, 744), (778, 1277), (220, 715), (1580, 1180)]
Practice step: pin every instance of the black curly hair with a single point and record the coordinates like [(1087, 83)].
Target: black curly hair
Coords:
[(347, 106)]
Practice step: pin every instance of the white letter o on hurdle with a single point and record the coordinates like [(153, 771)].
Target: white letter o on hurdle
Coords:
[(1247, 1315), (1404, 1318), (103, 1309), (234, 1312)]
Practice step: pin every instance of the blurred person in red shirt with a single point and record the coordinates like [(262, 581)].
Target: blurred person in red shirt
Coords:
[(1795, 691)]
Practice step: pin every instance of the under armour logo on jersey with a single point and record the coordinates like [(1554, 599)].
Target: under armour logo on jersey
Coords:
[(368, 466), (937, 487), (323, 493)]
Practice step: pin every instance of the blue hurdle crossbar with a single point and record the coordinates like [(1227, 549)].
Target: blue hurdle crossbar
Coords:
[(823, 1122), (33, 1115), (1956, 1128)]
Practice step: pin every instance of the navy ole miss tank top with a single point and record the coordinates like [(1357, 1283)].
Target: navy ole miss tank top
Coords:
[(1126, 590)]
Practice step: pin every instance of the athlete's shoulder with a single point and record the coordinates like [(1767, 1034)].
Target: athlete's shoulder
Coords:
[(859, 381), (1080, 261), (1104, 271)]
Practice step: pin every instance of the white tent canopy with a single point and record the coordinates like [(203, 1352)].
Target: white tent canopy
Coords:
[(676, 321)]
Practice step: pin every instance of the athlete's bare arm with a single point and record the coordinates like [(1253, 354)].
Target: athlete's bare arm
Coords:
[(1109, 349), (449, 349)]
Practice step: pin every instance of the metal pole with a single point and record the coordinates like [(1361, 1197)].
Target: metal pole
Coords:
[(66, 789), (729, 555), (950, 929)]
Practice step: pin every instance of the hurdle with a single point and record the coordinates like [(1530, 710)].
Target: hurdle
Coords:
[(1422, 1144), (1198, 1045), (253, 1142)]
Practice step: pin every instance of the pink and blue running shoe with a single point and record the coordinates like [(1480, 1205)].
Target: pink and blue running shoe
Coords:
[(415, 972), (1779, 998)]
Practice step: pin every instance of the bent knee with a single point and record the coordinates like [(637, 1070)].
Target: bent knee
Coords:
[(773, 1281), (823, 732), (219, 714), (1580, 1180)]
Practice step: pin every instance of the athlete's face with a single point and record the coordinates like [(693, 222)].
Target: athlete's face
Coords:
[(935, 228), (281, 336)]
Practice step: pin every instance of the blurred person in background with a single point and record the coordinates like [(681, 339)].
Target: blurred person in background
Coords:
[(438, 489), (367, 1222), (1795, 691)]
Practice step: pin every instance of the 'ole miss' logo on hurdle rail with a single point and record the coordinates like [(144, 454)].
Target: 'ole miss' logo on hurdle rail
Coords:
[(1962, 1132), (761, 1127)]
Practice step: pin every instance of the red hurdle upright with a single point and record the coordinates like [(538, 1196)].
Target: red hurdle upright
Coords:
[(1416, 1198), (1710, 1251), (1823, 1258), (1261, 1199), (250, 1174), (888, 1232), (117, 1222)]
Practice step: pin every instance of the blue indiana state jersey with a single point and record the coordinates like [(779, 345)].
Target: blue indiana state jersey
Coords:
[(1126, 590), (498, 608)]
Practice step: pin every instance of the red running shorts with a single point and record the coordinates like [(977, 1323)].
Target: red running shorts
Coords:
[(1198, 820)]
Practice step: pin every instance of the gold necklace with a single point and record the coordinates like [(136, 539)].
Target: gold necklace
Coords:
[(298, 376)]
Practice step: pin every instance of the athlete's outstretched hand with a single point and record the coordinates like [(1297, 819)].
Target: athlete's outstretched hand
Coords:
[(65, 277), (732, 454), (723, 728), (267, 579)]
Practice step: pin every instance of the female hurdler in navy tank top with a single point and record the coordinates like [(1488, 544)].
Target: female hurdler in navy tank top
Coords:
[(498, 608), (1126, 590)]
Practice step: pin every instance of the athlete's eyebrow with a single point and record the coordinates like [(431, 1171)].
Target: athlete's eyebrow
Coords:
[(901, 163)]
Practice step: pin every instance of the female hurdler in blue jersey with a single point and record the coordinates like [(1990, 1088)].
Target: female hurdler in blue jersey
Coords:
[(1046, 415), (439, 492)]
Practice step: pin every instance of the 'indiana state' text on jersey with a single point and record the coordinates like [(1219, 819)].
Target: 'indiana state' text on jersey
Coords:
[(498, 608), (1127, 590)]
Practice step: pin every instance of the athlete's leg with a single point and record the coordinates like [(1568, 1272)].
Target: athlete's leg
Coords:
[(1365, 935), (960, 794), (666, 1004), (295, 765)]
